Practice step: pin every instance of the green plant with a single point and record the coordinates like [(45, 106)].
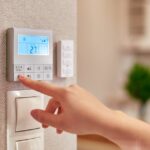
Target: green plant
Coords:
[(138, 85)]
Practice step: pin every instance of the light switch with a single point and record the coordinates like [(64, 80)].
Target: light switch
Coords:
[(31, 144), (23, 132), (24, 120)]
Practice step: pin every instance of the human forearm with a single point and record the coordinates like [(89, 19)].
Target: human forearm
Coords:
[(128, 133), (83, 113)]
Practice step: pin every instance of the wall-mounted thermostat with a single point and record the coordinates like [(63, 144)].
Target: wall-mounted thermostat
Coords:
[(65, 58), (29, 53)]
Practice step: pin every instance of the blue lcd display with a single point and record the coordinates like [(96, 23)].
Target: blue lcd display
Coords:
[(33, 45)]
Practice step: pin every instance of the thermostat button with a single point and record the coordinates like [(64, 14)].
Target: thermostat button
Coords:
[(19, 68), (67, 55), (29, 68), (47, 68), (67, 62), (16, 75), (47, 76), (67, 72), (38, 76), (38, 68), (29, 75)]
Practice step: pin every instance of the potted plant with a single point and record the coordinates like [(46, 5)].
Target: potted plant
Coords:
[(138, 85)]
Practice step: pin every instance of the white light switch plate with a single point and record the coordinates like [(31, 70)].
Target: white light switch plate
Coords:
[(32, 144), (18, 129), (24, 120)]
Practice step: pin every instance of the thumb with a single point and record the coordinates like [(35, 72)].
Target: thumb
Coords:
[(45, 117)]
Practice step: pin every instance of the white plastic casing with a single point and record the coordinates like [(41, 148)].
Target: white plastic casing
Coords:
[(23, 132), (38, 67), (24, 105), (65, 58), (32, 144)]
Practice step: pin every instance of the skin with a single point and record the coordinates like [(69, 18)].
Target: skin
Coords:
[(75, 110)]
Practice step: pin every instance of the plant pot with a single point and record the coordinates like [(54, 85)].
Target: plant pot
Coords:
[(147, 112), (142, 112)]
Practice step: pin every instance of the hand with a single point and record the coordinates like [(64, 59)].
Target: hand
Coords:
[(78, 111)]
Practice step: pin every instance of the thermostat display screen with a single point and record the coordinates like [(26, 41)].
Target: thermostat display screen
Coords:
[(33, 45)]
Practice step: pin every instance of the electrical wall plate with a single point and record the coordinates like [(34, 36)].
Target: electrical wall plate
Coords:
[(19, 131), (65, 58)]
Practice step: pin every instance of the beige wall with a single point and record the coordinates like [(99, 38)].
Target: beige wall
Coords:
[(98, 43), (57, 15)]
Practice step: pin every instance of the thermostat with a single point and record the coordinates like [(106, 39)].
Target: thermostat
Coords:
[(29, 53)]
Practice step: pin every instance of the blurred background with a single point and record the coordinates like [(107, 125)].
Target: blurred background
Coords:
[(114, 58)]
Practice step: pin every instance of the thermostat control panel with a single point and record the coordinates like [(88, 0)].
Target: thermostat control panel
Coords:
[(29, 53), (65, 58)]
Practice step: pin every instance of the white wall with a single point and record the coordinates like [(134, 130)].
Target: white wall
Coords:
[(98, 45), (56, 15)]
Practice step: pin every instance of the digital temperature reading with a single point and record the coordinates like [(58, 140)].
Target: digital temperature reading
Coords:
[(33, 45)]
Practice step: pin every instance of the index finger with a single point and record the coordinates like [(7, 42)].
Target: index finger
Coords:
[(43, 87)]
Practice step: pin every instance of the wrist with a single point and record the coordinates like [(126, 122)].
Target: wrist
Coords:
[(127, 132), (106, 123), (118, 128)]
